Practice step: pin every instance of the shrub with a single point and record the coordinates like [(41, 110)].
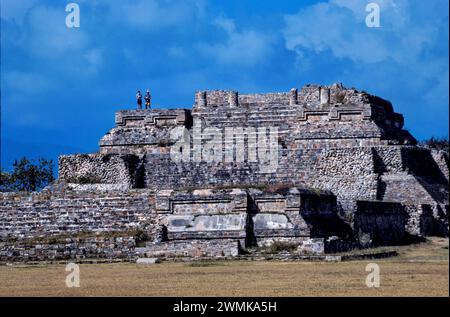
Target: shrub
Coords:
[(279, 246)]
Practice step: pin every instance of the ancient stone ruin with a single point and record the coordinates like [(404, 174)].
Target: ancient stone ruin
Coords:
[(310, 172)]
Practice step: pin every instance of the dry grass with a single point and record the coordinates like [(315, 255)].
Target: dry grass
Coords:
[(421, 270)]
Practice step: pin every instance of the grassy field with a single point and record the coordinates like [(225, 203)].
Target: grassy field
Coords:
[(420, 270)]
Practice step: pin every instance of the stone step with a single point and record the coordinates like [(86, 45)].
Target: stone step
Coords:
[(225, 117), (148, 261)]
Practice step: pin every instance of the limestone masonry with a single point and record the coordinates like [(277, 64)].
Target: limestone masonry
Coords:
[(309, 172)]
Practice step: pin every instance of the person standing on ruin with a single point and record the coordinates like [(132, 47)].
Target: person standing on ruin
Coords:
[(148, 99), (139, 99)]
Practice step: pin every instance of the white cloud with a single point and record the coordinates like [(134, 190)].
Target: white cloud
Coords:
[(48, 36), (339, 26), (94, 59), (45, 38), (151, 15), (26, 82), (225, 24), (15, 10), (177, 52), (240, 48), (23, 88)]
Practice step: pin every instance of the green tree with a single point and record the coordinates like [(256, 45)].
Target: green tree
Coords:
[(5, 181), (28, 175)]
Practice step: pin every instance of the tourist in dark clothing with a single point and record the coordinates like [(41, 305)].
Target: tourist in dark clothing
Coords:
[(139, 99)]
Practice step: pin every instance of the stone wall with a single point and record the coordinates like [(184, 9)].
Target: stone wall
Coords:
[(427, 220), (24, 216), (380, 223), (75, 249), (295, 245), (442, 161), (216, 248), (101, 169), (347, 172), (66, 224), (288, 217), (142, 131), (388, 159), (411, 175)]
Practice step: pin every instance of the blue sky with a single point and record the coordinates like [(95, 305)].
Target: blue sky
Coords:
[(60, 87)]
